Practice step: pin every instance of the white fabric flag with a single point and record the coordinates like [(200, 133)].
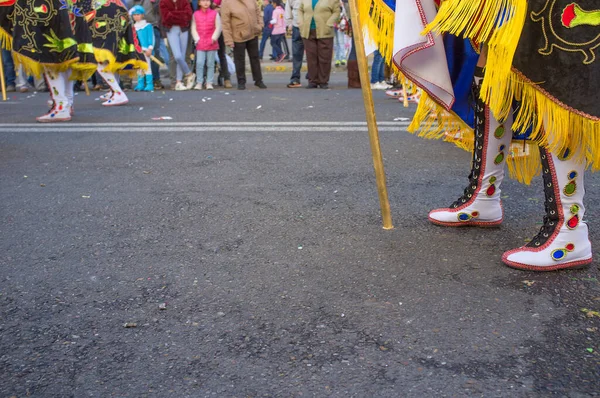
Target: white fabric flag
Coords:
[(370, 45), (422, 59)]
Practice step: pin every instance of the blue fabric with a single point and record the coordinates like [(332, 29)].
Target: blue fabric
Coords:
[(146, 36), (378, 68), (9, 68), (263, 42), (194, 5), (276, 45), (208, 58), (462, 61), (313, 24), (391, 4), (268, 14), (297, 53)]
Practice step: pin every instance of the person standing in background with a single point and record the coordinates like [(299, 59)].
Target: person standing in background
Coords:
[(224, 73), (353, 74), (267, 29), (152, 16), (339, 42), (206, 29), (242, 24), (277, 22), (291, 18), (176, 16), (145, 35), (316, 19)]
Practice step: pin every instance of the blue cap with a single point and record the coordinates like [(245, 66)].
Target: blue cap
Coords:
[(137, 10)]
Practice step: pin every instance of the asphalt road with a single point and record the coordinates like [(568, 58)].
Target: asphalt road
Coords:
[(247, 258)]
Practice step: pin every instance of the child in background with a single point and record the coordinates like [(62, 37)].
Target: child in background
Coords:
[(206, 29), (278, 33), (145, 34)]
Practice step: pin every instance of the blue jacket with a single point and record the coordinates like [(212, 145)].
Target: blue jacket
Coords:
[(267, 16), (145, 34)]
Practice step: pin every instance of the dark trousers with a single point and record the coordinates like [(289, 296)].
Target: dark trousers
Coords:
[(298, 54), (239, 57), (9, 68), (319, 53), (153, 65), (276, 44), (285, 48), (266, 34), (223, 60)]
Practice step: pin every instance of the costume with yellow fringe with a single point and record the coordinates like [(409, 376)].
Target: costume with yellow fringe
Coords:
[(540, 81), (46, 38), (6, 23), (115, 44)]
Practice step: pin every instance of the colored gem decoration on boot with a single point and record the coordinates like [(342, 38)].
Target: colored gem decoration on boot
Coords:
[(562, 241), (58, 113), (480, 203), (118, 98)]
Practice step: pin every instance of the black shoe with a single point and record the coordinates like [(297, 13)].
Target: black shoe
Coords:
[(158, 85), (312, 85), (260, 85), (127, 86), (324, 86), (241, 86)]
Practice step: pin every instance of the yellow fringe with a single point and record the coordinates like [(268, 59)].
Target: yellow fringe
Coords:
[(35, 68), (432, 121), (524, 161), (104, 55), (380, 21), (83, 71), (479, 21), (5, 40), (554, 125)]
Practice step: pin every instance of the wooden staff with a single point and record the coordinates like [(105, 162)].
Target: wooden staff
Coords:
[(363, 68), (153, 58), (2, 83)]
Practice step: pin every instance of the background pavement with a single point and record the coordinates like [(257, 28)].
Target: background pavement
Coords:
[(249, 260)]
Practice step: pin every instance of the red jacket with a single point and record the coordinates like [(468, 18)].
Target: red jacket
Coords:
[(178, 12)]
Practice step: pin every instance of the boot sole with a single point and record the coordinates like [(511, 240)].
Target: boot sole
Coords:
[(121, 103), (480, 224), (524, 267), (62, 119)]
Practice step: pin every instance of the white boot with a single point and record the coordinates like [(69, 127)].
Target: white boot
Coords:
[(69, 91), (480, 203), (563, 239), (118, 97), (60, 110)]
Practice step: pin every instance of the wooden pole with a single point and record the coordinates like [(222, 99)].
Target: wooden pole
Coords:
[(363, 68), (2, 83)]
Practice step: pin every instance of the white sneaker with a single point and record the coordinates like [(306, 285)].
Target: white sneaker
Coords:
[(376, 86), (181, 87), (209, 86), (106, 96), (198, 86)]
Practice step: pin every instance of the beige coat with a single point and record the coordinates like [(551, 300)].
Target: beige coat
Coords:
[(241, 21), (326, 13)]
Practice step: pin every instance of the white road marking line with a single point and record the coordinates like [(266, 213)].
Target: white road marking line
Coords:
[(198, 124), (173, 129)]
